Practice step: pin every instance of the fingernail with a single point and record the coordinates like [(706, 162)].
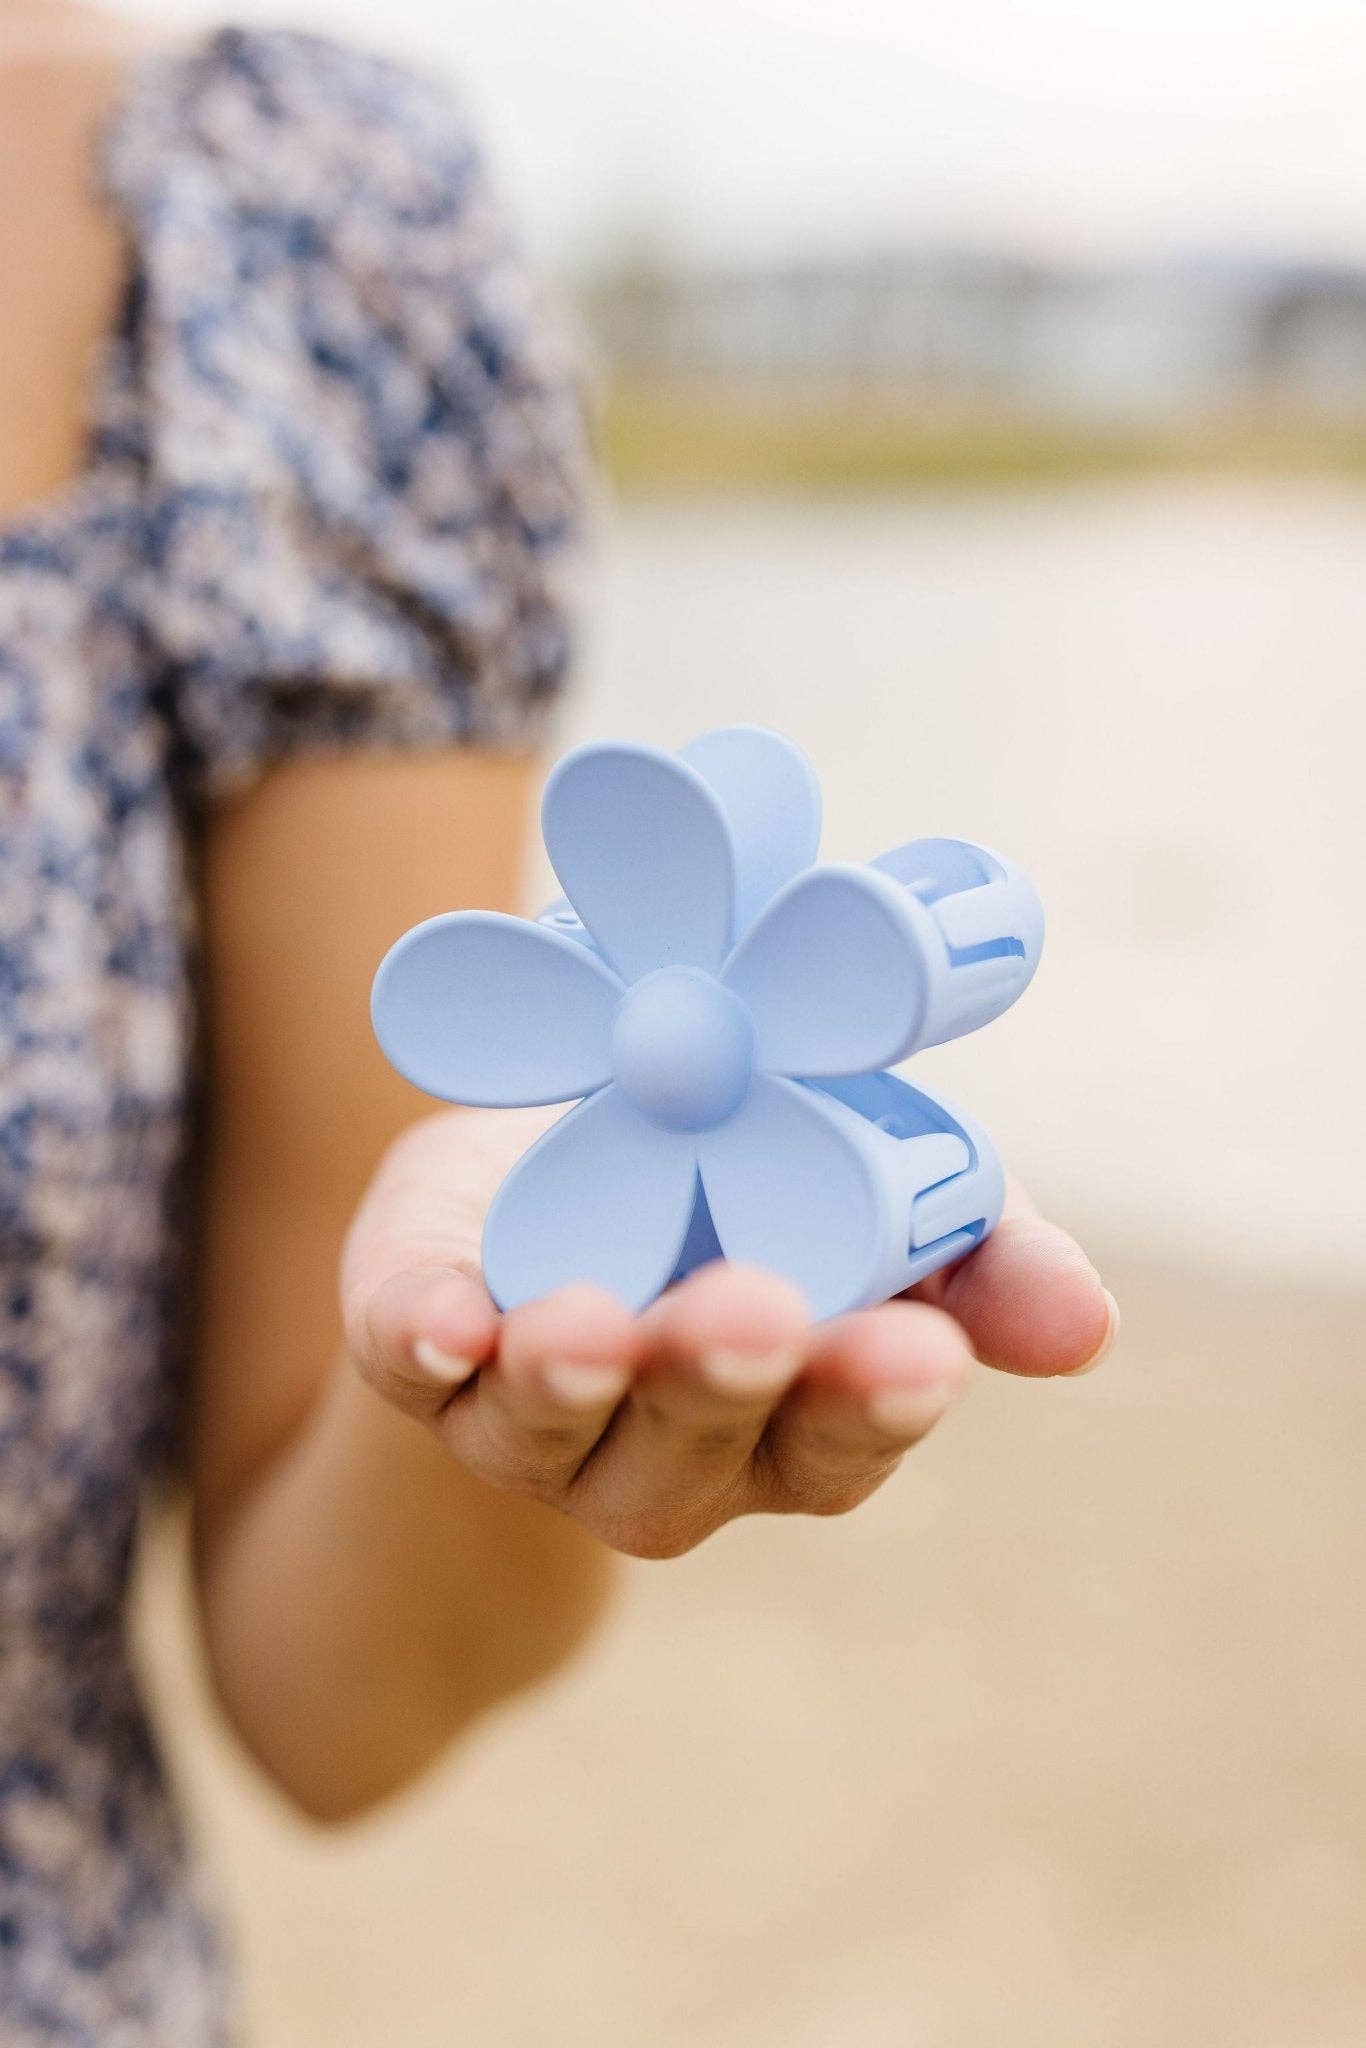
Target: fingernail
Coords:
[(580, 1385), (1106, 1345), (440, 1364), (749, 1372), (904, 1411)]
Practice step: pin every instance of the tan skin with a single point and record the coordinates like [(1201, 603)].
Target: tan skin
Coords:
[(405, 1506)]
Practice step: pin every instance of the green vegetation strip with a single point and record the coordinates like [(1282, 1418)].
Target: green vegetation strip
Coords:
[(689, 437)]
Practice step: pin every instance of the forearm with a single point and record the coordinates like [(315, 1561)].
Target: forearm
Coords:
[(365, 1599)]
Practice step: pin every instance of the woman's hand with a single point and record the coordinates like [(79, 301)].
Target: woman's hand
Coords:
[(722, 1399)]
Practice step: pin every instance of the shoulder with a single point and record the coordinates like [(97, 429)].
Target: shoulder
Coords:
[(308, 148), (355, 410), (235, 93), (276, 180)]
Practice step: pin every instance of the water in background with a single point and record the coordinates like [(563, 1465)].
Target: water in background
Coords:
[(1154, 697)]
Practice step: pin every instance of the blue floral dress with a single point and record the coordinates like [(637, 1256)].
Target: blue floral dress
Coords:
[(330, 497)]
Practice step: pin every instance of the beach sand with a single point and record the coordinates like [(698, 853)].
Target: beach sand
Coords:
[(1057, 1744)]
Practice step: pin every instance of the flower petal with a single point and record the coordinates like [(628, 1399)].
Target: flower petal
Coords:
[(495, 1011), (643, 852), (834, 973), (768, 790), (789, 1190), (602, 1196)]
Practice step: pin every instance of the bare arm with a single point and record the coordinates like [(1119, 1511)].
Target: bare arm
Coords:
[(387, 1551), (363, 1596)]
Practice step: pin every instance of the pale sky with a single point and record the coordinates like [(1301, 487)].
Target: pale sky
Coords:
[(747, 126)]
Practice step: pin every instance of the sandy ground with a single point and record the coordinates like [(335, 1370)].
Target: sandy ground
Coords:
[(1059, 1744)]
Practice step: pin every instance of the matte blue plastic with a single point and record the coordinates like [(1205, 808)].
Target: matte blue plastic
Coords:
[(727, 1010)]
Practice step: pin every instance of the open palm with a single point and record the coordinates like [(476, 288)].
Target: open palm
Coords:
[(722, 1399)]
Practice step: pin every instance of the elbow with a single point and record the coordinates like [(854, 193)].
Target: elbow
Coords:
[(337, 1737)]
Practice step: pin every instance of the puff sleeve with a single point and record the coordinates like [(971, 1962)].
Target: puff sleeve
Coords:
[(350, 411)]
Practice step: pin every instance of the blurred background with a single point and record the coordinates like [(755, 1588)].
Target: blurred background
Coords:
[(983, 389)]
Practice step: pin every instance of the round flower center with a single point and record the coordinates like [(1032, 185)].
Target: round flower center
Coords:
[(683, 1048)]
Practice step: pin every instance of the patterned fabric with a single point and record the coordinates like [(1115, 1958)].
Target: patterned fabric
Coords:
[(329, 503)]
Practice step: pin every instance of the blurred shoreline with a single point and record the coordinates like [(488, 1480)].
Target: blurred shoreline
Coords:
[(701, 434), (926, 366)]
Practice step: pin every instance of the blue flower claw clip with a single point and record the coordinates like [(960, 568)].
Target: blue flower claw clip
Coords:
[(727, 1010)]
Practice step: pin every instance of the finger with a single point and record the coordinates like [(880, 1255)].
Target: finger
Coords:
[(420, 1336), (538, 1408), (875, 1383), (718, 1352), (1029, 1299)]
